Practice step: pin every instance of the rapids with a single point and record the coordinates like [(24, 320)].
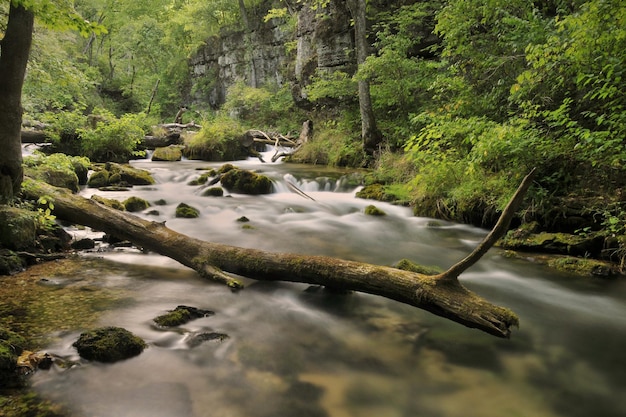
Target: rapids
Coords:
[(297, 350)]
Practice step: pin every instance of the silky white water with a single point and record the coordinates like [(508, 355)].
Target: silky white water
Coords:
[(297, 350)]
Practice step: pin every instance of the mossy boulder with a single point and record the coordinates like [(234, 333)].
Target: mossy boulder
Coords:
[(372, 210), (112, 174), (375, 192), (10, 262), (18, 228), (523, 239), (98, 179), (134, 204), (202, 179), (58, 169), (246, 182), (181, 315), (168, 154), (11, 346), (109, 202), (109, 344), (186, 211), (213, 192)]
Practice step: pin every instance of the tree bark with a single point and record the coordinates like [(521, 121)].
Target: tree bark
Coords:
[(14, 50), (443, 297), (370, 135)]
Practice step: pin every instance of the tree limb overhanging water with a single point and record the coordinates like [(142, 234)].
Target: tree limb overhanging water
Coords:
[(441, 294)]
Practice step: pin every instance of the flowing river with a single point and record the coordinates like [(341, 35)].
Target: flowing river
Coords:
[(298, 350)]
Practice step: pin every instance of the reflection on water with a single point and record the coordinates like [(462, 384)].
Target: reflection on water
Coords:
[(299, 350)]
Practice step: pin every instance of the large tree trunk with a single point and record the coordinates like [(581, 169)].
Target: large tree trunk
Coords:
[(14, 50), (370, 134), (440, 294)]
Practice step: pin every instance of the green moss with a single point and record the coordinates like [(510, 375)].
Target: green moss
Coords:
[(57, 169), (109, 344), (130, 175), (375, 192), (10, 262), (98, 179), (18, 228), (202, 179), (584, 267), (246, 182), (186, 211), (213, 192), (372, 210), (169, 154), (181, 315), (11, 346), (134, 204), (406, 265), (109, 202)]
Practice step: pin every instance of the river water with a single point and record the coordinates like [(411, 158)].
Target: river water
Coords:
[(297, 350)]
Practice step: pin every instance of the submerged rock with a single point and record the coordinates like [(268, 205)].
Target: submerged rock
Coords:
[(109, 344), (196, 339), (181, 315), (372, 210)]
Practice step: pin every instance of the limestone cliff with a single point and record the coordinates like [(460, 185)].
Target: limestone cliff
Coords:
[(264, 53)]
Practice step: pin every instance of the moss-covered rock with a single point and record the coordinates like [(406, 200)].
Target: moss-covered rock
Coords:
[(523, 239), (169, 154), (134, 204), (372, 210), (109, 202), (112, 174), (11, 346), (18, 228), (181, 315), (10, 262), (213, 192), (57, 169), (202, 179), (246, 182), (186, 211), (109, 344), (375, 192), (98, 179), (585, 266)]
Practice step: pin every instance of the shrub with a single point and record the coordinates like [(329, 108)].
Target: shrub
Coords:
[(113, 139), (218, 140)]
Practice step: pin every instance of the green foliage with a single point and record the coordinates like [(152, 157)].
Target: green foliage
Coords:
[(113, 139), (218, 140), (267, 108), (580, 68)]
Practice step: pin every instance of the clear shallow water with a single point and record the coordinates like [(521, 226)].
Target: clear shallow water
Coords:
[(296, 350)]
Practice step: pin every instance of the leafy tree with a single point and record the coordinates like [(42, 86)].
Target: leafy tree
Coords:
[(14, 50)]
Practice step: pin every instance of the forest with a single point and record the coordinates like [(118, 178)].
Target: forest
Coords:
[(442, 106), (466, 97)]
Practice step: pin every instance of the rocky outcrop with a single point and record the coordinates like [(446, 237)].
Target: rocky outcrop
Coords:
[(264, 54)]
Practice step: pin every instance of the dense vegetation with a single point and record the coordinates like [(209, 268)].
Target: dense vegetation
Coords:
[(469, 95)]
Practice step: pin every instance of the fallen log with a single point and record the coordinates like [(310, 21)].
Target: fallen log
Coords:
[(441, 294)]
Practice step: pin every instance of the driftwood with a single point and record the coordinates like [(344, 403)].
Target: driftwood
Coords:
[(441, 294)]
